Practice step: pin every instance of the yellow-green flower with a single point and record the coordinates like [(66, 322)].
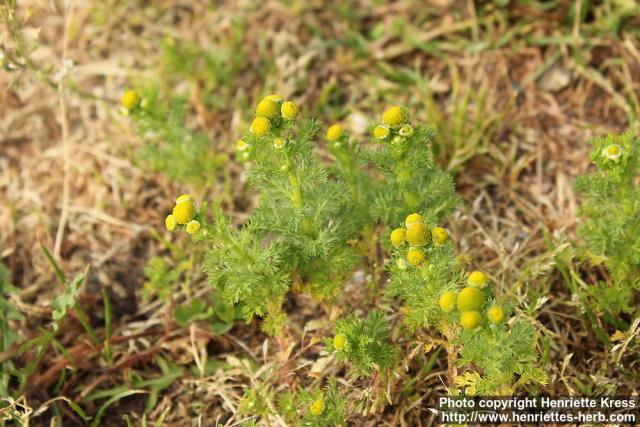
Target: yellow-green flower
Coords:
[(612, 152), (186, 197), (184, 212), (415, 256), (496, 314), (193, 226), (394, 117), (439, 235), (381, 131), (317, 407), (241, 145), (279, 143), (397, 140), (447, 301), (170, 222), (478, 279), (289, 110), (470, 320), (401, 264), (334, 132), (470, 299), (398, 236), (129, 99), (260, 126), (412, 219), (418, 234), (340, 341), (406, 131), (267, 108)]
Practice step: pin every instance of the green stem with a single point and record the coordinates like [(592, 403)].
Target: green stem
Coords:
[(297, 197)]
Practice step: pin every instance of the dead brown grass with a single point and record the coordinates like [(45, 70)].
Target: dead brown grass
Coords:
[(516, 192)]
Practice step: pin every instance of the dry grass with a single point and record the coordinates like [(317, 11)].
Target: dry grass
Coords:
[(551, 98)]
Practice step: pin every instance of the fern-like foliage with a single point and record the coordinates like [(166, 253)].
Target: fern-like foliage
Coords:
[(245, 269), (316, 407), (171, 146), (610, 215), (420, 288), (429, 280), (310, 217), (505, 356), (412, 180), (364, 343)]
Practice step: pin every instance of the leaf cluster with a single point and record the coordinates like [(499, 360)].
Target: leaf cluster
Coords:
[(504, 354), (171, 146), (367, 348), (296, 407), (420, 288), (413, 182), (610, 213)]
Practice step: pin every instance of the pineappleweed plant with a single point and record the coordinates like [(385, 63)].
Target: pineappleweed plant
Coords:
[(313, 225)]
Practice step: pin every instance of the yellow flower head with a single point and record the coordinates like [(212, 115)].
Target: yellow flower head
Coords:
[(612, 152), (447, 301), (415, 256), (317, 407), (412, 219), (381, 131), (289, 110), (394, 116), (439, 235), (170, 223), (129, 99), (398, 236), (186, 197), (279, 143), (406, 131), (184, 212), (268, 108), (241, 145), (418, 234), (340, 341), (260, 126), (496, 314), (274, 97), (334, 132), (193, 226), (478, 279), (470, 320), (470, 299)]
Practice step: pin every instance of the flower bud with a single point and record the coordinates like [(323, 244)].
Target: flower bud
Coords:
[(334, 132), (289, 110), (470, 299), (470, 320), (398, 236), (260, 126), (268, 108)]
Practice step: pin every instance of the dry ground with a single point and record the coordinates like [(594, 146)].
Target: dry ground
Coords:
[(551, 85)]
